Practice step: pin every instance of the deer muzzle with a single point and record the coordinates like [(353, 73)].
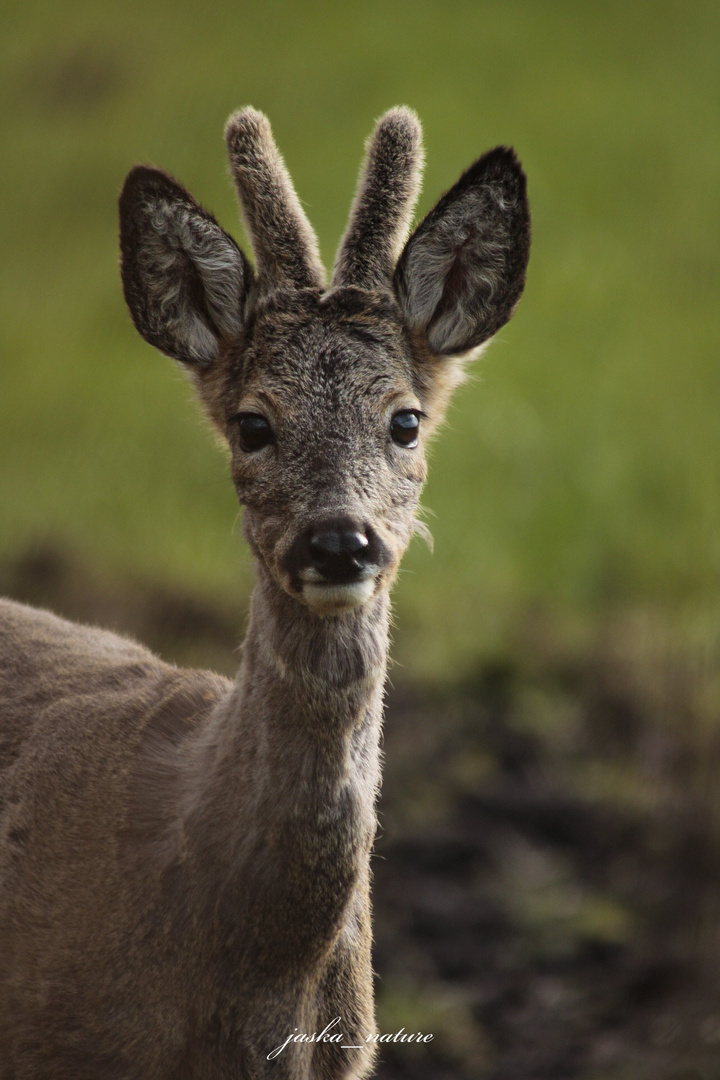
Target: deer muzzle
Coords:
[(336, 564)]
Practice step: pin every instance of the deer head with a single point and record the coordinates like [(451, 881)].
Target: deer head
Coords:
[(326, 395)]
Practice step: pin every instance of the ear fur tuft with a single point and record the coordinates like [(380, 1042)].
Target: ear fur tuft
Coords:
[(463, 270), (185, 280)]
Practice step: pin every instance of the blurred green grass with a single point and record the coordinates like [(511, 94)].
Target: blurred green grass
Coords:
[(580, 468)]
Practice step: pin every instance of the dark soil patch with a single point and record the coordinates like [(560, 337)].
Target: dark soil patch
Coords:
[(542, 925)]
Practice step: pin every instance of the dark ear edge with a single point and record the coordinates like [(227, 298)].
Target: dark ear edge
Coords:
[(462, 271), (185, 279)]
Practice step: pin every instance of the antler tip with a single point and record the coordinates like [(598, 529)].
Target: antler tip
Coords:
[(247, 127), (400, 132), (401, 121)]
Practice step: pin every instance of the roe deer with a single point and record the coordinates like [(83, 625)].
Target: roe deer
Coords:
[(185, 860)]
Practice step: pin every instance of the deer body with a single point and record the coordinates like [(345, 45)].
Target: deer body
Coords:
[(184, 860)]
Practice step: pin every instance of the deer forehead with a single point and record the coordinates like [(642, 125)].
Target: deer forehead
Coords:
[(315, 361)]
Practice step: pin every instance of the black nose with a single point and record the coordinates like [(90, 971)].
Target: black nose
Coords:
[(336, 551), (339, 555)]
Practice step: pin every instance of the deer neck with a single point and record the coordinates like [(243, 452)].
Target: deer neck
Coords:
[(287, 642), (309, 692), (291, 770)]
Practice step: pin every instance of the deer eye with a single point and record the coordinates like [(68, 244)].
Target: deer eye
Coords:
[(404, 428), (255, 431)]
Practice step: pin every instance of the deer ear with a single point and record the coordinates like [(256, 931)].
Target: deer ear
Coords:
[(463, 270), (185, 280)]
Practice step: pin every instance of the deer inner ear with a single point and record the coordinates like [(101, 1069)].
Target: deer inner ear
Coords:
[(185, 279)]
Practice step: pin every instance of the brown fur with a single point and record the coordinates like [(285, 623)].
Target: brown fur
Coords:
[(381, 212), (184, 860)]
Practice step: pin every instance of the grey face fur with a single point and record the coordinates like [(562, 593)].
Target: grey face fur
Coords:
[(327, 369), (329, 380)]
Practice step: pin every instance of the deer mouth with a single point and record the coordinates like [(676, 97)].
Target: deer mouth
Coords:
[(332, 598), (335, 565)]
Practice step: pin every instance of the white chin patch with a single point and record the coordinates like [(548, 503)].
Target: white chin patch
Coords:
[(332, 599)]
